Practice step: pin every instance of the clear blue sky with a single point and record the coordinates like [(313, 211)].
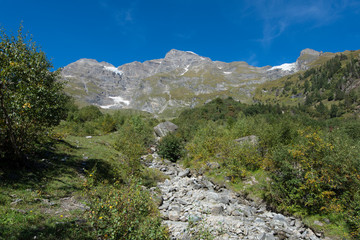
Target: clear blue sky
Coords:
[(257, 31)]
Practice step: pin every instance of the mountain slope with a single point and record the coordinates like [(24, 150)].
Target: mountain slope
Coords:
[(164, 86), (332, 84)]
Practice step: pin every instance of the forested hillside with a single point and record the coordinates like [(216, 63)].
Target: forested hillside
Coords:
[(330, 89)]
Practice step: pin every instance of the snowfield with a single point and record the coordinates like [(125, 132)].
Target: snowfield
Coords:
[(113, 69), (285, 67), (117, 101)]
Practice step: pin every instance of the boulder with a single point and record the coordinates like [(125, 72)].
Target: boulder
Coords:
[(184, 173), (164, 128), (252, 139)]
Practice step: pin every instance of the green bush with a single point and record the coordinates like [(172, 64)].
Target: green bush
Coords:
[(123, 211), (85, 114), (108, 124), (31, 98), (319, 173), (171, 147), (131, 145)]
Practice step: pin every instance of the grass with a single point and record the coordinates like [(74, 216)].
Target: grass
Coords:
[(47, 201)]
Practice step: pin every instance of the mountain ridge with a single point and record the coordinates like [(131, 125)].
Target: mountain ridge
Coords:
[(167, 85)]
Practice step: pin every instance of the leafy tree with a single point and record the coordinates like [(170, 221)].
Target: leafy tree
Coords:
[(171, 147), (31, 99), (334, 111)]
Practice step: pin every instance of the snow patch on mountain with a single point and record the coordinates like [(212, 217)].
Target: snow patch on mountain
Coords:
[(285, 67), (117, 101), (113, 69), (191, 52), (185, 70)]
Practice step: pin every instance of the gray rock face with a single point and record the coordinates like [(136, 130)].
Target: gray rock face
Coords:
[(193, 199), (164, 86), (164, 128), (307, 56)]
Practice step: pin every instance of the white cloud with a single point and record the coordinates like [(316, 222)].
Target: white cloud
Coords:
[(123, 15), (278, 15)]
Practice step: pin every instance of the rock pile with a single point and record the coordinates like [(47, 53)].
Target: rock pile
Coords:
[(189, 200)]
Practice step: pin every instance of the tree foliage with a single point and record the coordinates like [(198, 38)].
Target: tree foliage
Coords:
[(31, 99)]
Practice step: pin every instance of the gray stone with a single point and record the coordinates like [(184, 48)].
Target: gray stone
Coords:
[(280, 217), (175, 207), (213, 165), (164, 128), (248, 212), (266, 236), (212, 196), (184, 173), (174, 215), (16, 201), (209, 185), (164, 206), (316, 222), (298, 223), (194, 218), (236, 213), (217, 210), (182, 202), (252, 139), (224, 199)]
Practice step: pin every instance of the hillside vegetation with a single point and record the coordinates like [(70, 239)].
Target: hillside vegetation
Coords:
[(300, 165), (330, 89)]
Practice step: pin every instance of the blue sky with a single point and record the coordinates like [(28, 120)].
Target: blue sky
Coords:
[(256, 31)]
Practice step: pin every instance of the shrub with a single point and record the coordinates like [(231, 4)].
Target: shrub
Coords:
[(171, 147), (87, 114), (123, 211), (132, 141), (108, 124), (318, 173), (31, 98)]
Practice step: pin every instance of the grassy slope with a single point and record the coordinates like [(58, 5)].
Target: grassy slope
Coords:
[(50, 200)]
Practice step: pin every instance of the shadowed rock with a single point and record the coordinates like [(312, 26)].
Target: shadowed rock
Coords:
[(164, 128)]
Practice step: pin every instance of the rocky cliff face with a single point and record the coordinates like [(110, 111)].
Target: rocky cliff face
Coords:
[(163, 86)]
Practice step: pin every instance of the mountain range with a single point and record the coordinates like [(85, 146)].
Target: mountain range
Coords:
[(181, 79)]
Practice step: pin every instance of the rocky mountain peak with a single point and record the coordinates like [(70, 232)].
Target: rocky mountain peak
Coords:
[(185, 56), (310, 52), (307, 56), (167, 85)]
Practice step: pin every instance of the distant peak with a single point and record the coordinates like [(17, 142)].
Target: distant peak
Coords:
[(310, 52), (175, 52), (87, 60)]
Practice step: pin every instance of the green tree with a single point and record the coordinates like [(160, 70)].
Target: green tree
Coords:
[(31, 99), (171, 147)]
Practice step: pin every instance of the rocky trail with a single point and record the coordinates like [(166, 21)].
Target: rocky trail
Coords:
[(191, 204)]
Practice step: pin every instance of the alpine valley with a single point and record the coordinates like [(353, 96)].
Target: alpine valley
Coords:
[(182, 79)]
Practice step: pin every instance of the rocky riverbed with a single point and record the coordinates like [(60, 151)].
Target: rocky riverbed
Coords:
[(191, 204)]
